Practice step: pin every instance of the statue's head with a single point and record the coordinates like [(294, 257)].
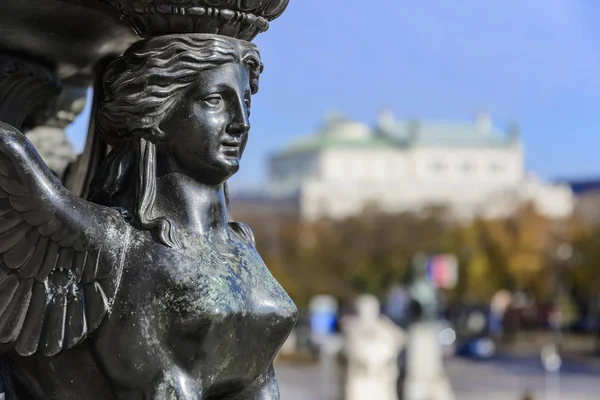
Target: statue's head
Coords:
[(207, 132), (184, 99), (368, 307), (187, 94)]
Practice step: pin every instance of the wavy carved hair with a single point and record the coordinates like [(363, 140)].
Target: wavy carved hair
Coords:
[(141, 89)]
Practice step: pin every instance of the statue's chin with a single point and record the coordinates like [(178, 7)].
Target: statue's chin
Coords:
[(217, 174), (231, 165)]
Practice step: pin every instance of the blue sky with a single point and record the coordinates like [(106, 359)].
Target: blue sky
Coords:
[(534, 61)]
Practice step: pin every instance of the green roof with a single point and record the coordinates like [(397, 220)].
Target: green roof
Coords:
[(319, 142), (448, 134), (342, 133)]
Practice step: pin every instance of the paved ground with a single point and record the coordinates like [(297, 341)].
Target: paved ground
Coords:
[(501, 379)]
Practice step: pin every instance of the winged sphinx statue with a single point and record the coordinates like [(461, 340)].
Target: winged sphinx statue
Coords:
[(148, 289)]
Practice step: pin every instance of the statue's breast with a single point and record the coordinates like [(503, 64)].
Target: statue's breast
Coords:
[(228, 316)]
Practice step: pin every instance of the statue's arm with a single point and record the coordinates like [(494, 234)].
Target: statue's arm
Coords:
[(264, 388)]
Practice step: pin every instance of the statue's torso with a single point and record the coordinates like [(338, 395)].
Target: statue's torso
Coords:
[(213, 310)]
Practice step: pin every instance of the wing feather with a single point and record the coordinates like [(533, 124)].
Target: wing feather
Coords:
[(29, 339), (36, 217), (10, 239), (69, 240), (10, 220), (12, 318), (8, 287), (78, 264), (5, 169), (23, 204), (5, 206), (103, 270), (55, 324), (22, 252), (33, 265), (96, 305), (77, 327), (57, 281), (50, 259), (12, 187), (65, 258), (50, 227), (91, 266)]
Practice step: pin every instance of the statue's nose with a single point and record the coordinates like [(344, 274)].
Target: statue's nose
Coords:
[(238, 128), (240, 122)]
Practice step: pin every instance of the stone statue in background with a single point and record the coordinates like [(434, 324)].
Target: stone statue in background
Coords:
[(425, 300), (149, 290), (373, 343), (49, 136), (426, 377)]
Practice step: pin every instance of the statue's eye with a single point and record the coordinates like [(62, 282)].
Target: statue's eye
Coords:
[(248, 105), (213, 100)]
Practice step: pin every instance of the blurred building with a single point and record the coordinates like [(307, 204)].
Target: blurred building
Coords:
[(399, 166)]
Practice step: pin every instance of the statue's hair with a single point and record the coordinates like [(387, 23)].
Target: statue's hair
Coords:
[(141, 90)]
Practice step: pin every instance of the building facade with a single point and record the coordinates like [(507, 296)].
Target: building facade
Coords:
[(399, 166)]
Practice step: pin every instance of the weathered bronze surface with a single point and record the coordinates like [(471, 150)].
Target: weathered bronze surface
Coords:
[(70, 36), (148, 289)]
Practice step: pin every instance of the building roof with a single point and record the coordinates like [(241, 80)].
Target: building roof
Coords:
[(447, 134), (340, 132)]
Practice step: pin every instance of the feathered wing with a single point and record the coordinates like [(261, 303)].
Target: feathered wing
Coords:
[(61, 257)]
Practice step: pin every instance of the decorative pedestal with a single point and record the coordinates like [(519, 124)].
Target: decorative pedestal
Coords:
[(373, 344), (425, 375)]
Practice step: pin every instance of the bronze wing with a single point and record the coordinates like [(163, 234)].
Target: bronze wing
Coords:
[(61, 256)]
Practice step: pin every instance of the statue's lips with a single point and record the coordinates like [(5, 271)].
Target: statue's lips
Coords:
[(231, 148)]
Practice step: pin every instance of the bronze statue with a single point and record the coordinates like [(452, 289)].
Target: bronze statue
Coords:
[(148, 290)]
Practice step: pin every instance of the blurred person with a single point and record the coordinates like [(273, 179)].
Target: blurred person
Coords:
[(323, 317), (397, 306), (498, 306)]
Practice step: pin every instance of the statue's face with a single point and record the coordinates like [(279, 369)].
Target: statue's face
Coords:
[(207, 133)]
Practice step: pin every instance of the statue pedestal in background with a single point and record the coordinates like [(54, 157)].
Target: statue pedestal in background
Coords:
[(49, 135), (425, 375), (426, 378), (372, 346), (53, 146)]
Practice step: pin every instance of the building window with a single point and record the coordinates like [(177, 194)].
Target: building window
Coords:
[(438, 167), (497, 168), (468, 167), (379, 171)]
